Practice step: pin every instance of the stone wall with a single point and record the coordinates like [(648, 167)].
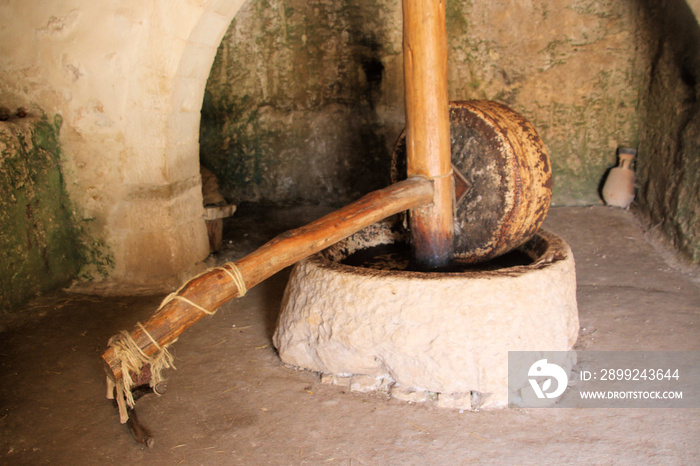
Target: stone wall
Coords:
[(128, 79), (669, 148), (39, 241), (305, 99), (574, 68), (297, 103)]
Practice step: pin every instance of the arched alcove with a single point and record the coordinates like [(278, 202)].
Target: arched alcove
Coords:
[(304, 101), (270, 133)]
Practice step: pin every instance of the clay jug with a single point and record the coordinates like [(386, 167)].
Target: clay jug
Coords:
[(618, 189)]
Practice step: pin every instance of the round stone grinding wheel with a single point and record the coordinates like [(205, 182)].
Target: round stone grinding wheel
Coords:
[(502, 178)]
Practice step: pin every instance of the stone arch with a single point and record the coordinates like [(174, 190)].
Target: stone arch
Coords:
[(155, 230)]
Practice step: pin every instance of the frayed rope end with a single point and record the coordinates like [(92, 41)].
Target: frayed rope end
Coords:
[(132, 360)]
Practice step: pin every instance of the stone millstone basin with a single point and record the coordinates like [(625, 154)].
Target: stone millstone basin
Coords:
[(435, 337)]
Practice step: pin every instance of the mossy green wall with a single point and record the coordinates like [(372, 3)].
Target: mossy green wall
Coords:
[(292, 110), (39, 246), (305, 98)]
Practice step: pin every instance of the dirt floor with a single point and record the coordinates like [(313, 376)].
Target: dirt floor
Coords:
[(231, 401)]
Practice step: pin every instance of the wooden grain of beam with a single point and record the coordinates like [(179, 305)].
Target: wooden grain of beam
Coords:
[(428, 129)]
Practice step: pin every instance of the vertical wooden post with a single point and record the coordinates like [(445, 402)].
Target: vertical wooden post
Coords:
[(428, 128)]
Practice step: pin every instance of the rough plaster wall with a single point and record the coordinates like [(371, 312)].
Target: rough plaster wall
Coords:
[(668, 168), (572, 67), (128, 79), (292, 114), (294, 107)]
